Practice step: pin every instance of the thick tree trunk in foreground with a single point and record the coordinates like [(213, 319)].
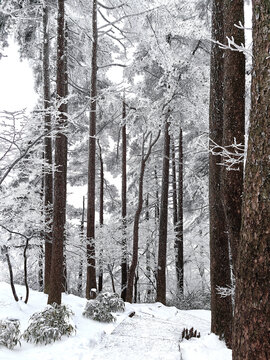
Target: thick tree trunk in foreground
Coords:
[(252, 302), (48, 176), (179, 241), (234, 120), (59, 205), (124, 263), (163, 220), (91, 282), (221, 319)]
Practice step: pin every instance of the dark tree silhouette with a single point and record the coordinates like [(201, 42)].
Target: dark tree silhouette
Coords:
[(221, 307), (163, 219), (60, 177), (234, 121), (91, 282)]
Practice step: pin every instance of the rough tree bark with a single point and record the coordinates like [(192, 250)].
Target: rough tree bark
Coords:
[(124, 263), (91, 282), (48, 175), (101, 217), (132, 269), (80, 274), (221, 307), (252, 300), (234, 120), (60, 177), (179, 240), (163, 220), (148, 254)]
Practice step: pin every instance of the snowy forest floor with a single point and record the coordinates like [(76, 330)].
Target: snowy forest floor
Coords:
[(153, 333)]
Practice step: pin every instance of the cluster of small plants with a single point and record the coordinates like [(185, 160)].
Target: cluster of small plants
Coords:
[(192, 300), (10, 332), (102, 307), (49, 325), (188, 334)]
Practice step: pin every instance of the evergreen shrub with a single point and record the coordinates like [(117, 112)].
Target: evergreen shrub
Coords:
[(192, 300), (111, 301), (50, 325), (10, 332), (102, 307)]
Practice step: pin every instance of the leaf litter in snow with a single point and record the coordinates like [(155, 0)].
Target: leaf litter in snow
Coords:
[(153, 333)]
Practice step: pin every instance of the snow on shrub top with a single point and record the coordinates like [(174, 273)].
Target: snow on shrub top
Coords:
[(101, 308), (50, 325), (9, 332)]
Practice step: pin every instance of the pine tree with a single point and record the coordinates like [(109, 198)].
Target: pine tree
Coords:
[(48, 176), (163, 220), (60, 178), (252, 299), (179, 241), (234, 121), (221, 307), (124, 263), (91, 282)]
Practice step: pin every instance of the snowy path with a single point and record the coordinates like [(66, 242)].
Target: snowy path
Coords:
[(146, 336), (140, 338), (152, 334)]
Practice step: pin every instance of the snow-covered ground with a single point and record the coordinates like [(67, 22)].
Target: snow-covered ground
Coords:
[(153, 333)]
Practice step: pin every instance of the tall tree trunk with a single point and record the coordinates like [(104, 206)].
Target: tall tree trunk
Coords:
[(252, 300), (179, 240), (163, 220), (91, 282), (40, 268), (134, 261), (64, 281), (157, 196), (48, 175), (148, 254), (124, 263), (234, 120), (174, 185), (132, 269), (60, 183), (80, 275), (101, 218), (221, 307)]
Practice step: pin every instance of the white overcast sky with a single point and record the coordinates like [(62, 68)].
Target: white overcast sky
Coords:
[(16, 81)]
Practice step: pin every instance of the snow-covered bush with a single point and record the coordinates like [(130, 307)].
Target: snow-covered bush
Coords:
[(9, 332), (96, 310), (101, 309), (192, 300), (111, 301), (49, 325)]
